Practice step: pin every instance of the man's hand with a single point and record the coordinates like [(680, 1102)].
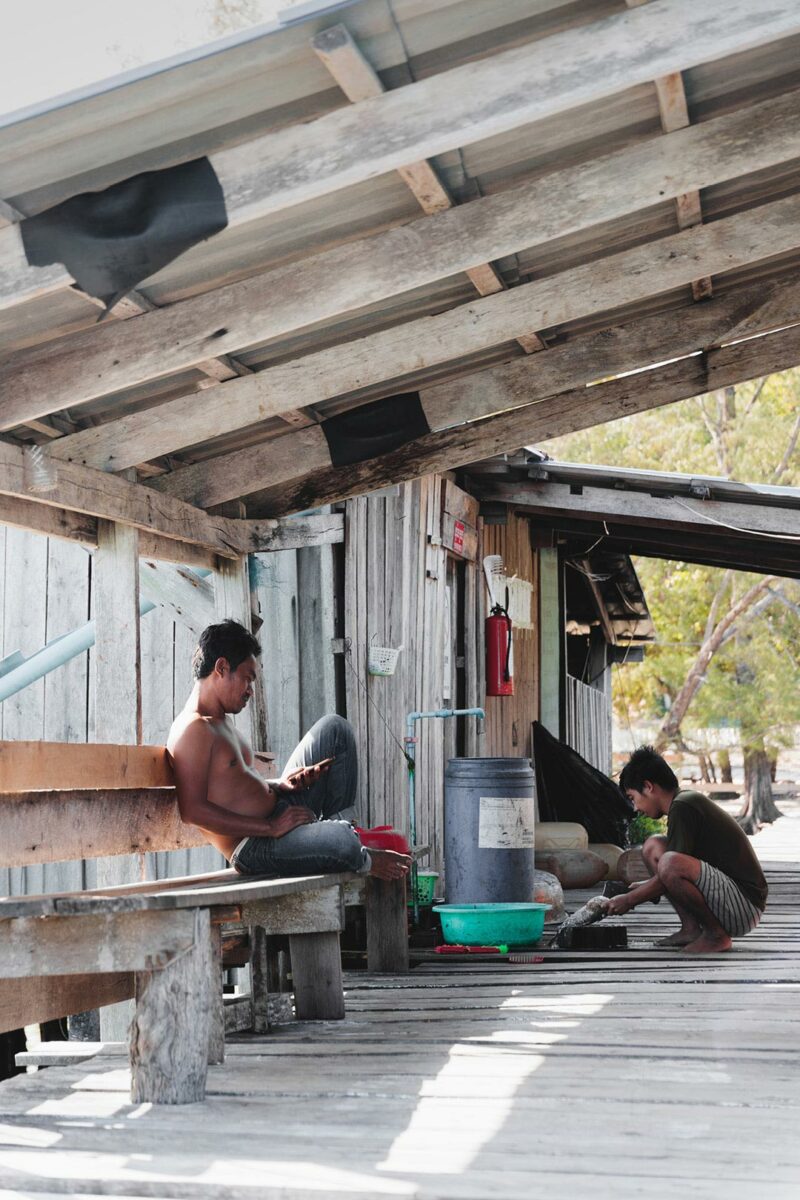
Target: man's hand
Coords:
[(618, 905), (304, 778), (289, 819)]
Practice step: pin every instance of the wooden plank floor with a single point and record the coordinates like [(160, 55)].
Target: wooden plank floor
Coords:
[(637, 1073)]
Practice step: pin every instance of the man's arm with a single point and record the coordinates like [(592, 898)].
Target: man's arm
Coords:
[(191, 760), (639, 894)]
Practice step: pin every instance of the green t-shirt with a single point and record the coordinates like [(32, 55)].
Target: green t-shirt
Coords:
[(698, 826)]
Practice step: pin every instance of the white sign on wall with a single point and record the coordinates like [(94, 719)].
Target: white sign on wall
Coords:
[(506, 823)]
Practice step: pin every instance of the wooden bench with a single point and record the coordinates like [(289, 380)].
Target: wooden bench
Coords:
[(160, 943)]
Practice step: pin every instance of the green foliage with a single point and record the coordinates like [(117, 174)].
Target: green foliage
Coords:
[(751, 689), (642, 827)]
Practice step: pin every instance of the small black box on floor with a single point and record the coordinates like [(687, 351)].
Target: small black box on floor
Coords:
[(599, 937)]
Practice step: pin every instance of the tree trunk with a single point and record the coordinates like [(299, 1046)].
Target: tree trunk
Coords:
[(725, 767), (758, 808), (671, 725)]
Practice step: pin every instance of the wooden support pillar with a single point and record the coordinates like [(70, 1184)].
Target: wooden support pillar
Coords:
[(317, 976), (550, 641), (170, 1032), (271, 989), (387, 926), (216, 1018), (118, 692)]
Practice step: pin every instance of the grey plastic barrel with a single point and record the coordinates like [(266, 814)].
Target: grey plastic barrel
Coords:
[(488, 830)]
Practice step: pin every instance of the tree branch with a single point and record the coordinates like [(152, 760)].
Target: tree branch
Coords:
[(670, 727), (790, 449)]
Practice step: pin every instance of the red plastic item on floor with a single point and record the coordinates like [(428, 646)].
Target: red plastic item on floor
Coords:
[(383, 837), (455, 949)]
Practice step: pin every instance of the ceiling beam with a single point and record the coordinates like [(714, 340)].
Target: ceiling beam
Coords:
[(580, 408), (459, 107), (100, 494), (358, 80), (640, 508), (110, 357), (582, 361)]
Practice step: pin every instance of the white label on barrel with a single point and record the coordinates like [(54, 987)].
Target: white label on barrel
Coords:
[(506, 823)]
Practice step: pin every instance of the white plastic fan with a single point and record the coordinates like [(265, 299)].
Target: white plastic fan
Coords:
[(496, 580)]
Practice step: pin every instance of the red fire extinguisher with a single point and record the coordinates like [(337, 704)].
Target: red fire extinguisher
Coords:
[(499, 652)]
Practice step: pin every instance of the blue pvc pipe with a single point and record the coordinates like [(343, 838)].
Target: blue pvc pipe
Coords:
[(59, 651), (411, 758)]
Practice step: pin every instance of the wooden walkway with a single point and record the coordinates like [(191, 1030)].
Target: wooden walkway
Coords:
[(625, 1074)]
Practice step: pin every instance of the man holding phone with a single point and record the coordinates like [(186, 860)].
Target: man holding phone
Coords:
[(299, 824)]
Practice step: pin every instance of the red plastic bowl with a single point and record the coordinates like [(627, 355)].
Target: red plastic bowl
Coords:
[(383, 837)]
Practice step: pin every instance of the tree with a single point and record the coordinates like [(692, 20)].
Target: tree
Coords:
[(727, 655)]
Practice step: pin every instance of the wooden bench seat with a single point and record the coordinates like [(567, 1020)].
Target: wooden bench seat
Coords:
[(159, 941)]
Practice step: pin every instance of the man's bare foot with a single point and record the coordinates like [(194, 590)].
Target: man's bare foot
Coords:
[(682, 937), (388, 864), (708, 944)]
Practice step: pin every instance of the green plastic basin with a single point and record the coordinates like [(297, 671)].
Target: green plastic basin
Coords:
[(492, 924)]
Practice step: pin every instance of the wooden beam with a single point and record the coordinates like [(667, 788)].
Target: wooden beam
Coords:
[(341, 55), (113, 942), (57, 826), (506, 430), (32, 1001), (109, 357), (180, 591), (41, 766), (101, 494), (595, 287), (294, 533), (48, 520), (460, 107), (639, 508)]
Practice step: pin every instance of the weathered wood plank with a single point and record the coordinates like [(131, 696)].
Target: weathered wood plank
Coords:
[(39, 766), (320, 911), (594, 287), (100, 494), (317, 976), (387, 926), (319, 529), (170, 1032), (31, 1001), (109, 943), (464, 105), (564, 413), (49, 520), (112, 356), (55, 826), (187, 597)]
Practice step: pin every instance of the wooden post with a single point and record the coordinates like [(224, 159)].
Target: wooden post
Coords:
[(387, 926), (118, 692), (259, 979), (170, 1031), (317, 975), (271, 990), (550, 640), (216, 1022)]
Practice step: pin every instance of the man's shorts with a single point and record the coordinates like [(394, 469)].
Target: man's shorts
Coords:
[(736, 914)]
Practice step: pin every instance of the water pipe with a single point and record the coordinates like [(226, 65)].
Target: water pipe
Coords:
[(59, 651), (411, 758)]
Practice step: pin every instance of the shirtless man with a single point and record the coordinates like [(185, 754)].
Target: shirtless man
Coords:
[(705, 865), (296, 825)]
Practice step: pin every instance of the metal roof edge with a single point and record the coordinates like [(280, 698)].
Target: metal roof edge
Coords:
[(285, 20)]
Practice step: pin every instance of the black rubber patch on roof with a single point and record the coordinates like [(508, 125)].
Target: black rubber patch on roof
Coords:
[(376, 428), (110, 241)]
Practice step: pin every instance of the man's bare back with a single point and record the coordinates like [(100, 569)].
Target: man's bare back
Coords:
[(220, 787)]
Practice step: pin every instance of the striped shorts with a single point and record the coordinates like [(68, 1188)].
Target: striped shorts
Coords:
[(736, 914)]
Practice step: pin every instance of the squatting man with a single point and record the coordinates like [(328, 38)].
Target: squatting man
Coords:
[(705, 865), (299, 824)]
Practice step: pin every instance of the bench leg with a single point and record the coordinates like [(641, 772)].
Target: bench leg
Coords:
[(387, 926), (317, 975), (270, 990), (169, 1037), (216, 1023)]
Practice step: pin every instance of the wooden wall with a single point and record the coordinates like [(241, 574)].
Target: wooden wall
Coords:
[(402, 587), (46, 591), (508, 718)]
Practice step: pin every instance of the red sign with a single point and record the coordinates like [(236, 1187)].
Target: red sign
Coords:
[(458, 537)]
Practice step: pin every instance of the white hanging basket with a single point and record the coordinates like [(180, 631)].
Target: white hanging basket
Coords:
[(382, 660)]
